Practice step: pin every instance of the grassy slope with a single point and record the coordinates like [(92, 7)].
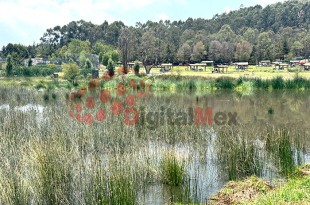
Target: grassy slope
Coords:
[(256, 191), (295, 191)]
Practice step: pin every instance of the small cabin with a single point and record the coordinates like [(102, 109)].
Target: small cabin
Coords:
[(220, 69), (165, 67), (55, 75), (306, 66), (294, 63), (242, 65), (197, 66), (132, 64), (265, 63), (280, 66), (208, 63)]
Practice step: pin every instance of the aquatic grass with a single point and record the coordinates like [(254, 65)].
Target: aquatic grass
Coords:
[(225, 83), (55, 177), (285, 152), (239, 155), (278, 83), (173, 172), (62, 161)]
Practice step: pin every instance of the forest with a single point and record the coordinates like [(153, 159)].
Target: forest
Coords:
[(278, 31)]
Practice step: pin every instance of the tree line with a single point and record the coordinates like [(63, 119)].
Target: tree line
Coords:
[(278, 31)]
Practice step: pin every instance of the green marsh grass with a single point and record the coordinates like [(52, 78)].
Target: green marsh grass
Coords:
[(62, 161), (173, 172)]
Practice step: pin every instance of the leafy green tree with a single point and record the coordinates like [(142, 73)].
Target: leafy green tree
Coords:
[(18, 53), (285, 48), (215, 49), (100, 47), (148, 50), (74, 49), (88, 64), (124, 42), (188, 37), (199, 52), (297, 48), (82, 58), (9, 66), (243, 51), (226, 34), (105, 59), (114, 55), (250, 35), (264, 46), (169, 54), (184, 53), (71, 71)]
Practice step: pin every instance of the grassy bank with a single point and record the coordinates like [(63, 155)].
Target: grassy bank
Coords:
[(255, 191), (171, 83), (178, 83)]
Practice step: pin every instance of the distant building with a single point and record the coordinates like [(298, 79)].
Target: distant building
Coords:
[(294, 62), (306, 66), (94, 59), (37, 61), (242, 65), (266, 63)]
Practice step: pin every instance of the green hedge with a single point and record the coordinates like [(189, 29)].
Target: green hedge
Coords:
[(38, 70)]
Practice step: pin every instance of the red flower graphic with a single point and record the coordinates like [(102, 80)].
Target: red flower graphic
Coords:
[(121, 89), (142, 84), (104, 96), (131, 116), (88, 119), (81, 92), (79, 117), (101, 115), (116, 107), (79, 107), (133, 84), (90, 102), (71, 114), (140, 94), (131, 100)]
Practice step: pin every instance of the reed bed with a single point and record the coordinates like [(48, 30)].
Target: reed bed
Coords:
[(50, 158)]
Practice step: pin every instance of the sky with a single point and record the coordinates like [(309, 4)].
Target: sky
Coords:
[(26, 21)]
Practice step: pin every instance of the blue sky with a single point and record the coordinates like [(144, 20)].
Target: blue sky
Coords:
[(25, 21)]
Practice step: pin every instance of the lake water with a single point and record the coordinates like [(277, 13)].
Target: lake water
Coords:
[(199, 148)]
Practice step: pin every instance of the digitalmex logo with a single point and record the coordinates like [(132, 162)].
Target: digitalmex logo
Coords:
[(92, 104)]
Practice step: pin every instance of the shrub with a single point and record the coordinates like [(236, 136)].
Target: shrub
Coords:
[(46, 97), (71, 71), (136, 68), (111, 67)]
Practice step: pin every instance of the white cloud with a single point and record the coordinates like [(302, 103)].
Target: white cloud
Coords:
[(30, 19)]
